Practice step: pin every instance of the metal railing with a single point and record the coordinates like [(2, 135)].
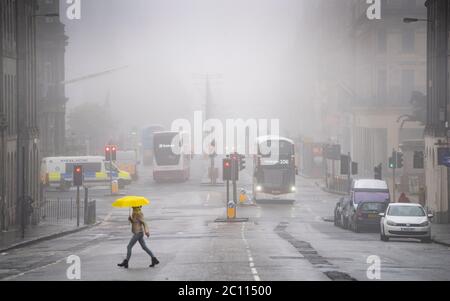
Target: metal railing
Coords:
[(65, 211)]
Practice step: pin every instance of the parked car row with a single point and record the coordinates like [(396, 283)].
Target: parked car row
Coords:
[(369, 206)]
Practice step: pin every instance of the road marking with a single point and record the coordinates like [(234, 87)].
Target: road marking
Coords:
[(250, 257), (33, 270)]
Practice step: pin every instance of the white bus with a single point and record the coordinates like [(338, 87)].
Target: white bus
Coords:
[(274, 177), (171, 160), (58, 172)]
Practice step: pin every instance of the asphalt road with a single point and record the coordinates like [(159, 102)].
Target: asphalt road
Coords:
[(280, 242)]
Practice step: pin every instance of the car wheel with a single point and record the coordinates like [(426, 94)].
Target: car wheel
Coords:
[(383, 237)]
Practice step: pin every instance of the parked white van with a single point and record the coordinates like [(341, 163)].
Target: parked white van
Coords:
[(58, 172)]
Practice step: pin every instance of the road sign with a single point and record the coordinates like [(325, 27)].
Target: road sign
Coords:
[(332, 152), (444, 156)]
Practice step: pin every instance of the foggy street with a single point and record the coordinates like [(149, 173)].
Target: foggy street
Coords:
[(255, 141), (280, 242)]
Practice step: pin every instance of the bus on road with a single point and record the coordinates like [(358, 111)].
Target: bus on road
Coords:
[(170, 165), (274, 176)]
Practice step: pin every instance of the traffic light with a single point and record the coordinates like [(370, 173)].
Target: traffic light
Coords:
[(354, 168), (378, 172), (399, 161), (419, 160), (226, 170), (392, 164), (345, 160), (78, 175), (108, 153), (113, 153), (235, 167), (242, 163)]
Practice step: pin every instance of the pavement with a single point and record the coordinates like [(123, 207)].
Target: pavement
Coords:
[(291, 242), (13, 239)]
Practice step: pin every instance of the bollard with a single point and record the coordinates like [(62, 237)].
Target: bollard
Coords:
[(243, 196), (115, 187), (231, 210)]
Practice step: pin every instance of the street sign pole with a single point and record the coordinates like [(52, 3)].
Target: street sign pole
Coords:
[(393, 189), (78, 205), (110, 176), (86, 196), (394, 159)]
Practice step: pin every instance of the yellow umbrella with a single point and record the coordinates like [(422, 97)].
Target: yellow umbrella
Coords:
[(131, 201)]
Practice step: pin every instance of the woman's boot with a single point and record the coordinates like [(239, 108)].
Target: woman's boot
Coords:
[(155, 261), (124, 264)]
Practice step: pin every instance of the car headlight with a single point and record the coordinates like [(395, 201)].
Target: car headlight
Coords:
[(390, 223), (293, 189), (259, 188), (425, 224)]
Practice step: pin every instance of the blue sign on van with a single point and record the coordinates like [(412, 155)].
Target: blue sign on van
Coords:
[(444, 156)]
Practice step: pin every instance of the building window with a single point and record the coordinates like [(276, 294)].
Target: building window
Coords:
[(408, 40)]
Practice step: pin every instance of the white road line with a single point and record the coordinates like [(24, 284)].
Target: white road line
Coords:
[(33, 270), (250, 257)]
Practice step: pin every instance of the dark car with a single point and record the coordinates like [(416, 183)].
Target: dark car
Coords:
[(368, 198), (367, 215), (340, 219)]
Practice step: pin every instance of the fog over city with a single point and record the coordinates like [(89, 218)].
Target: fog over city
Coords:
[(256, 53), (225, 140)]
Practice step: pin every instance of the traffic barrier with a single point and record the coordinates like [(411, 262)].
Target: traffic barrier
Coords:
[(231, 210), (115, 187)]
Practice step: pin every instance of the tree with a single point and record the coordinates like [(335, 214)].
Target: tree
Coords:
[(92, 123)]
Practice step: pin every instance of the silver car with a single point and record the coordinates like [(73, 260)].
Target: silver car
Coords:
[(403, 220)]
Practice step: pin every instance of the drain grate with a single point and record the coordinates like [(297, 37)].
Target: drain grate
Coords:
[(310, 254), (339, 276)]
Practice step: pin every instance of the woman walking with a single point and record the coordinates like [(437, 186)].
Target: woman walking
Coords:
[(138, 227)]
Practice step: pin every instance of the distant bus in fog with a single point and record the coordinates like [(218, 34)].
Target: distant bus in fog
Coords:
[(147, 143), (170, 165), (274, 178)]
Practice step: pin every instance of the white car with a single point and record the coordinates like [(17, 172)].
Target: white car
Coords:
[(403, 220)]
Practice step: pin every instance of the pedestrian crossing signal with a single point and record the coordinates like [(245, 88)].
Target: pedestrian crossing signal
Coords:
[(78, 175), (226, 169), (110, 153)]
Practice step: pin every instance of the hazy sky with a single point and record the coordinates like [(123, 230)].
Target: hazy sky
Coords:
[(168, 46)]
